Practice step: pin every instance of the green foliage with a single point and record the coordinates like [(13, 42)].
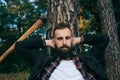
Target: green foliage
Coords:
[(15, 18), (90, 6), (90, 9)]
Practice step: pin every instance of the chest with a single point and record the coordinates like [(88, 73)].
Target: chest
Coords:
[(66, 70)]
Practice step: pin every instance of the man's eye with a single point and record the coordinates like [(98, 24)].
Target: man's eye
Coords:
[(68, 37), (59, 38)]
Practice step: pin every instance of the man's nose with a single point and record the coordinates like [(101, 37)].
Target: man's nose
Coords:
[(64, 41)]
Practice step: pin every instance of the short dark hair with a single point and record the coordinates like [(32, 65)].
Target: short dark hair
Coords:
[(61, 25)]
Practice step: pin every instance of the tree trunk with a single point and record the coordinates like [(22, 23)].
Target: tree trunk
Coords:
[(109, 26), (64, 11)]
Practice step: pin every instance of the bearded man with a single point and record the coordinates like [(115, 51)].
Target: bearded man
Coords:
[(65, 63)]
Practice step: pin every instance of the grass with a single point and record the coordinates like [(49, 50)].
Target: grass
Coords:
[(15, 76)]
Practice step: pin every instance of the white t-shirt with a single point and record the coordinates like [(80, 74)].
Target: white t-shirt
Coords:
[(66, 70)]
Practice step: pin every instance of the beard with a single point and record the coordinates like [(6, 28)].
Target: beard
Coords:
[(64, 51)]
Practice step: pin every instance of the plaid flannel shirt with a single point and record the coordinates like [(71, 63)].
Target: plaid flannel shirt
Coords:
[(49, 69)]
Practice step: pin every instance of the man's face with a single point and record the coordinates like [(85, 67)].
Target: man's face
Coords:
[(63, 40)]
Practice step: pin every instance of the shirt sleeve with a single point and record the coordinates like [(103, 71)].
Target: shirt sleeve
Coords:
[(99, 42), (25, 47)]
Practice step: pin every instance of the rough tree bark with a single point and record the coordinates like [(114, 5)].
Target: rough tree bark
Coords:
[(109, 26), (64, 11)]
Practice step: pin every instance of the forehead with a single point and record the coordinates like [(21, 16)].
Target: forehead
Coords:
[(63, 32)]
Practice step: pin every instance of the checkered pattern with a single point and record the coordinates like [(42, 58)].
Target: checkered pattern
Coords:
[(79, 65)]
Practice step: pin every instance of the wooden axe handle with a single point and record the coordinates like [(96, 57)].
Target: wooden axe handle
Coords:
[(24, 36)]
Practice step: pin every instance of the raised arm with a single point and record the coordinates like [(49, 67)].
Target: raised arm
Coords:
[(99, 42), (25, 47)]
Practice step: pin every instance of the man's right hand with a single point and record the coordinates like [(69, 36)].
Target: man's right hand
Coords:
[(77, 40), (50, 43)]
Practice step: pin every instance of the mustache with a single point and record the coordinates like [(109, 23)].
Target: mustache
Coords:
[(64, 46)]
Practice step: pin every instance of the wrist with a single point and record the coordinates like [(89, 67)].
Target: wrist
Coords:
[(82, 39), (44, 42), (49, 43)]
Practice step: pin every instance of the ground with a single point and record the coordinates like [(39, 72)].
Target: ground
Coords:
[(15, 76)]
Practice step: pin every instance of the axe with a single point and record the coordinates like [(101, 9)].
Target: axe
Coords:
[(36, 25)]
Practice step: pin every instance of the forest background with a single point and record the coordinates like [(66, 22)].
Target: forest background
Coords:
[(17, 16)]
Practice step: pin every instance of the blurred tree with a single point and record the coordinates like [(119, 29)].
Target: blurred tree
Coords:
[(109, 27), (90, 8), (86, 25)]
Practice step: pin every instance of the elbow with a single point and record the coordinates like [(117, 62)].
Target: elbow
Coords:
[(17, 45), (107, 39)]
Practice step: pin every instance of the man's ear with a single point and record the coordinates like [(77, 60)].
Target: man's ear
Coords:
[(53, 41), (73, 37)]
